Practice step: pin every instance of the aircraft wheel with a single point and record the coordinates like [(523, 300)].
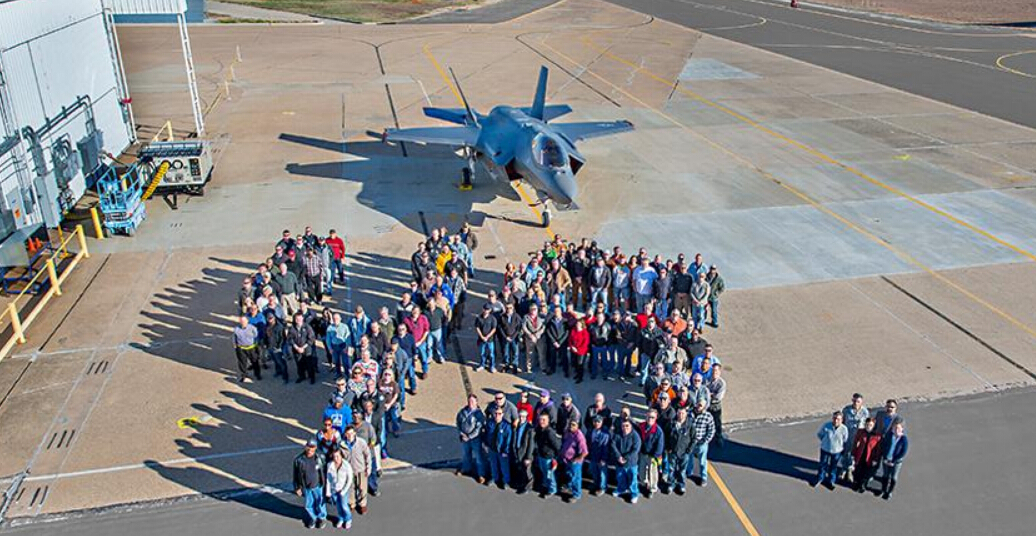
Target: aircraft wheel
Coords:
[(546, 218)]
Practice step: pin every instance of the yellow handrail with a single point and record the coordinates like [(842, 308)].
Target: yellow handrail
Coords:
[(12, 312), (168, 128)]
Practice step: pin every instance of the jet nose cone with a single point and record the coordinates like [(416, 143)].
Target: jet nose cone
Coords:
[(567, 188)]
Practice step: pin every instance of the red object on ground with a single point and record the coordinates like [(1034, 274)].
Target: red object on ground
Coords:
[(794, 3)]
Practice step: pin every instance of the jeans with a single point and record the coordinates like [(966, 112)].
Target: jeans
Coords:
[(409, 374), (574, 473), (626, 481), (714, 314), (511, 353), (499, 467), (662, 308), (698, 316), (600, 360), (472, 457), (642, 300), (487, 354), (435, 346), (340, 359), (622, 298), (598, 295), (315, 509), (341, 502), (677, 471), (828, 467), (338, 269), (548, 484), (700, 454), (424, 351), (280, 365), (598, 474), (624, 359), (643, 366), (372, 479)]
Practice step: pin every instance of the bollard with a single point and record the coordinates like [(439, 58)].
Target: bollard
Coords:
[(97, 224), (82, 241), (52, 273), (16, 323)]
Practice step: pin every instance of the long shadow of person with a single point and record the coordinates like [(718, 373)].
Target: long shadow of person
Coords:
[(764, 459)]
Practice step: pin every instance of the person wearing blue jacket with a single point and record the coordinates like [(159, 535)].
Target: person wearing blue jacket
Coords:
[(598, 442), (496, 443), (340, 414), (894, 447), (625, 450), (359, 324)]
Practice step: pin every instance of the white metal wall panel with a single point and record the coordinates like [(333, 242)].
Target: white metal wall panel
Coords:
[(21, 20), (146, 7)]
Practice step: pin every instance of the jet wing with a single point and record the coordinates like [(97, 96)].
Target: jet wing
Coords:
[(582, 131), (452, 136)]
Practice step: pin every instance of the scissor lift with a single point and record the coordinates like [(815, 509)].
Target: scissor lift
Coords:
[(122, 200)]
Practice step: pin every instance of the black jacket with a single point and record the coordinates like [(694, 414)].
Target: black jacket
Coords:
[(591, 412), (557, 332), (678, 438), (510, 328), (299, 479), (601, 334), (548, 442), (522, 445), (600, 278)]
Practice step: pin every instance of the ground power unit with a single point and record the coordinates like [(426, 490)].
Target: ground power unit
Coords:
[(177, 166)]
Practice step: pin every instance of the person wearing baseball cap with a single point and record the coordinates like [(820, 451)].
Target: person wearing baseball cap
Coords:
[(308, 478)]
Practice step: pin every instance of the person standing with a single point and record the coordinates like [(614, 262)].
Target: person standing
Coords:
[(308, 478), (599, 447), (336, 343), (643, 280), (700, 291), (417, 325), (547, 445), (627, 340), (887, 418), (437, 320), (600, 280), (470, 424), (301, 340), (854, 415), (717, 387), (600, 347), (597, 408), (556, 334), (894, 447), (678, 450), (652, 442), (716, 287), (358, 453), (246, 346), (510, 330), (579, 348), (314, 271), (485, 329), (702, 431), (339, 483), (497, 444), (625, 450), (337, 246), (276, 338), (866, 455), (502, 403), (532, 336), (522, 452), (290, 287), (833, 436), (573, 453)]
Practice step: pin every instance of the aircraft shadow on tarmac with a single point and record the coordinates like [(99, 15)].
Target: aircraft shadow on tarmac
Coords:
[(189, 322), (424, 180)]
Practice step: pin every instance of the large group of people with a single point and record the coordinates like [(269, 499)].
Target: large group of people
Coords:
[(855, 447)]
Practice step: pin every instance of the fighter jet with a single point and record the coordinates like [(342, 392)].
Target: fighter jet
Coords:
[(516, 143)]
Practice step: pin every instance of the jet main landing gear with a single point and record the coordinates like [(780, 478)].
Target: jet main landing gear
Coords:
[(468, 172)]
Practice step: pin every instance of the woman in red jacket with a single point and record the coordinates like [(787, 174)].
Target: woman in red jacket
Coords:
[(866, 455), (579, 347)]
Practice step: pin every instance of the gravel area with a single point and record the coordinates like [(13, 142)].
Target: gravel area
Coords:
[(960, 11)]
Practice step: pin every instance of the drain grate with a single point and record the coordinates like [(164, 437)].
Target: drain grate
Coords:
[(61, 439)]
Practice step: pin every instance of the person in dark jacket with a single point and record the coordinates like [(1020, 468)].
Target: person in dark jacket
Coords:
[(471, 422), (651, 339), (556, 334), (522, 452), (678, 449), (509, 331), (625, 450), (566, 413), (716, 287), (894, 447), (600, 280), (598, 442), (308, 478), (627, 335), (652, 447), (600, 347), (301, 342), (496, 444), (548, 445), (276, 337), (663, 288), (593, 410), (866, 455)]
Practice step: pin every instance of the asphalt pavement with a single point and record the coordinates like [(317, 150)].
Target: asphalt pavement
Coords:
[(984, 69), (969, 471)]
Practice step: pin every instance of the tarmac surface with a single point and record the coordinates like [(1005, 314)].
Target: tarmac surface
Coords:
[(985, 69), (872, 240), (968, 472)]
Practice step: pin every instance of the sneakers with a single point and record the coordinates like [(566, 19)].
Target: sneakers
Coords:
[(320, 524), (478, 368), (348, 524), (634, 500)]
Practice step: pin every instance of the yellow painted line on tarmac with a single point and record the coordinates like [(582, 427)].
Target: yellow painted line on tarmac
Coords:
[(902, 254), (1000, 63), (734, 505), (812, 151), (456, 93)]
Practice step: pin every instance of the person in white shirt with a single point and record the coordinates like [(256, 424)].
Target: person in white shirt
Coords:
[(338, 487)]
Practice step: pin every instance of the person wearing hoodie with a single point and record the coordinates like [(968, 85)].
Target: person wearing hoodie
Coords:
[(547, 445), (652, 442), (573, 453), (599, 447), (338, 486), (470, 424), (522, 452), (625, 449)]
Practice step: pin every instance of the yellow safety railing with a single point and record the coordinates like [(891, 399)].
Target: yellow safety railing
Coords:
[(168, 129), (21, 320)]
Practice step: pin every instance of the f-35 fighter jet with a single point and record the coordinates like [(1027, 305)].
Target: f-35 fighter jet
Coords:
[(516, 143)]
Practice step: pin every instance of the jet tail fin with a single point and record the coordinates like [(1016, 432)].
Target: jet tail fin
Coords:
[(472, 118), (541, 95)]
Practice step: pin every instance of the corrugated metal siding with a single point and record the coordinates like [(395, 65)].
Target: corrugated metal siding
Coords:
[(146, 7), (59, 52)]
